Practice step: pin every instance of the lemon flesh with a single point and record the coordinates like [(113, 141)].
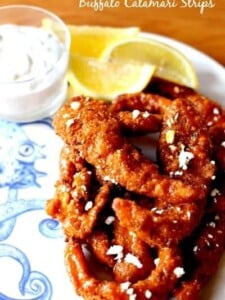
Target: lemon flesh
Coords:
[(106, 61), (170, 63), (107, 80), (91, 41)]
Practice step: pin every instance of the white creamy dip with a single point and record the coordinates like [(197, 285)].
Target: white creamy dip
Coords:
[(27, 52), (33, 62)]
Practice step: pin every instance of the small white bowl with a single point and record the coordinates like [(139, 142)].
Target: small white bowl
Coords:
[(33, 62)]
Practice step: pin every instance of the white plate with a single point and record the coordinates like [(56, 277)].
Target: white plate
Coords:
[(31, 244)]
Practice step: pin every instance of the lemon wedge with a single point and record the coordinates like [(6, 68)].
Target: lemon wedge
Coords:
[(171, 64), (75, 88), (92, 77), (106, 61), (91, 41)]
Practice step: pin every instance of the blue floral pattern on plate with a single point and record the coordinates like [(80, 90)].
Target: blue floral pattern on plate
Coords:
[(30, 242)]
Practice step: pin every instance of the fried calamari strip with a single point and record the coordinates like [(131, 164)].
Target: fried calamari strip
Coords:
[(158, 226), (206, 247), (213, 117), (76, 203), (139, 123), (144, 102), (135, 261), (96, 134), (158, 284), (169, 89), (86, 285), (151, 226), (185, 149)]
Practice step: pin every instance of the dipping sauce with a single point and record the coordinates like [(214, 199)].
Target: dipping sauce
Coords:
[(27, 52), (33, 62)]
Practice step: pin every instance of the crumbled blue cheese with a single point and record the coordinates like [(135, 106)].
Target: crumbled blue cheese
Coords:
[(215, 192), (132, 259), (148, 294), (216, 111), (156, 261), (146, 114), (116, 250), (75, 105), (108, 178), (88, 205), (69, 122), (179, 271), (135, 113), (126, 287), (184, 158), (109, 220)]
